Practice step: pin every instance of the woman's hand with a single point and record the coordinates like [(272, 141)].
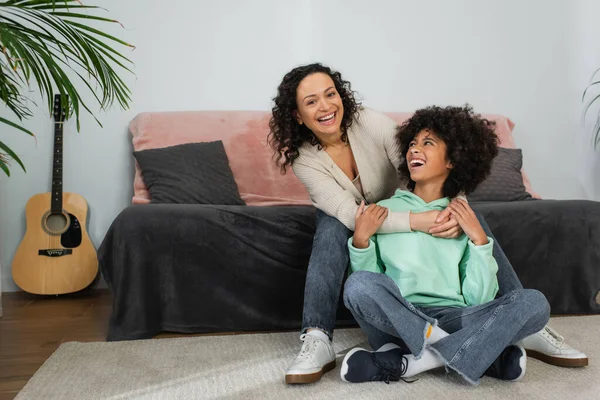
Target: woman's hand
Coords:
[(445, 226), (436, 223), (423, 221), (466, 218), (368, 221)]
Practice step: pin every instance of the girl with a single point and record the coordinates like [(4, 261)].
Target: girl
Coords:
[(426, 302)]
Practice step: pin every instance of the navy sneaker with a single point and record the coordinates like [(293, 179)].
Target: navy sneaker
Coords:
[(386, 364), (510, 364)]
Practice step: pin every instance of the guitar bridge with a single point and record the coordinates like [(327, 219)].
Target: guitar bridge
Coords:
[(54, 252)]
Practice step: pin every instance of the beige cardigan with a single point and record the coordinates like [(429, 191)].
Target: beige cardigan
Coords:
[(373, 142)]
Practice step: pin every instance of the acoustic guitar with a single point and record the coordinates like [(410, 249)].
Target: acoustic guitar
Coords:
[(56, 255)]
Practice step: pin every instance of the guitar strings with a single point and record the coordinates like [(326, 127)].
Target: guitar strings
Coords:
[(58, 224)]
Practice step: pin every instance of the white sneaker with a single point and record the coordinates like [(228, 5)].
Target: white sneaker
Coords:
[(316, 357), (550, 347)]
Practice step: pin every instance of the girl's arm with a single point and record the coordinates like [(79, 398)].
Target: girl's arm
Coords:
[(366, 259), (478, 266), (478, 269)]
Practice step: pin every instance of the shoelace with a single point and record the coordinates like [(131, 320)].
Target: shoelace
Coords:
[(307, 346), (391, 370), (554, 336)]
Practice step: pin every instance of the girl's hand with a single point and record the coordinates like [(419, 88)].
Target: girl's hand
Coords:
[(466, 218), (368, 221)]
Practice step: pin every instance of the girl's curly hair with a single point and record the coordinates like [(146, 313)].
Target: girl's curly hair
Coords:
[(471, 145), (286, 135)]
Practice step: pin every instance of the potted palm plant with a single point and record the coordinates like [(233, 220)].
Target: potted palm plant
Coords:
[(56, 46), (591, 98)]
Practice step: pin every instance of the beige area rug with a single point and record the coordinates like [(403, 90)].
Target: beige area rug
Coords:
[(252, 367)]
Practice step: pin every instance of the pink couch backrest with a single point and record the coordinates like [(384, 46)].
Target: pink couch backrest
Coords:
[(244, 136)]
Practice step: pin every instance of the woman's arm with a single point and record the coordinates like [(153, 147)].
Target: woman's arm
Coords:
[(327, 195), (387, 130)]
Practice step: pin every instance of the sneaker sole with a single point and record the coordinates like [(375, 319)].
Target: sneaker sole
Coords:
[(344, 369), (558, 361), (309, 378), (522, 364)]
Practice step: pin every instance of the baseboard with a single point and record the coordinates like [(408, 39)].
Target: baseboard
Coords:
[(8, 285)]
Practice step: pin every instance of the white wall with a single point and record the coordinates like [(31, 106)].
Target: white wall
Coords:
[(585, 59), (511, 57)]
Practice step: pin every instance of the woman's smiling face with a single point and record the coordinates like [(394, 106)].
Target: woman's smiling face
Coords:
[(320, 106)]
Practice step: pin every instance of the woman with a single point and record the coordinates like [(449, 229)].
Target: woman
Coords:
[(344, 154)]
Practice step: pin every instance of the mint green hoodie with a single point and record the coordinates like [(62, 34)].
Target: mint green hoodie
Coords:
[(429, 271)]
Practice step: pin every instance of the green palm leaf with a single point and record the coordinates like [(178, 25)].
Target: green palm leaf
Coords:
[(47, 45), (595, 99)]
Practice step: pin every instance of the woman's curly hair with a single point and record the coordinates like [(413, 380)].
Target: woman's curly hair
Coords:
[(471, 145), (286, 135)]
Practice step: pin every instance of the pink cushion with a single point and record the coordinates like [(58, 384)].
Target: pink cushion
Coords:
[(244, 135)]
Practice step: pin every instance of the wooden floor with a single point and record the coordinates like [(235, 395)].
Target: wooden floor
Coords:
[(33, 327)]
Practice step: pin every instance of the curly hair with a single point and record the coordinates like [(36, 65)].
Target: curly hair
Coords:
[(471, 145), (285, 134)]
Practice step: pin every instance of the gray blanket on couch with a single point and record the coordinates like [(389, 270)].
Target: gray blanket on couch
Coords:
[(206, 268)]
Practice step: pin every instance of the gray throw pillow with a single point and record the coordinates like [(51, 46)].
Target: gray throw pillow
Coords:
[(192, 173), (505, 182)]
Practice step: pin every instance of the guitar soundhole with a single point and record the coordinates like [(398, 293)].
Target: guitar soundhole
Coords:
[(56, 224)]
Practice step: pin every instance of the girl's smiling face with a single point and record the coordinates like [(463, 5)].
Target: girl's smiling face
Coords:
[(427, 158)]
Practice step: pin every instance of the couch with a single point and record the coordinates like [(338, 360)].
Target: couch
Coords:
[(199, 266)]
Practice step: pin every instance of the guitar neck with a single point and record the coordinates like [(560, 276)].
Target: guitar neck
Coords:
[(57, 167)]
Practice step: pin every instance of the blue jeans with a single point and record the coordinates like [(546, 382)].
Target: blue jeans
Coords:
[(508, 280), (478, 334), (329, 262), (326, 271)]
